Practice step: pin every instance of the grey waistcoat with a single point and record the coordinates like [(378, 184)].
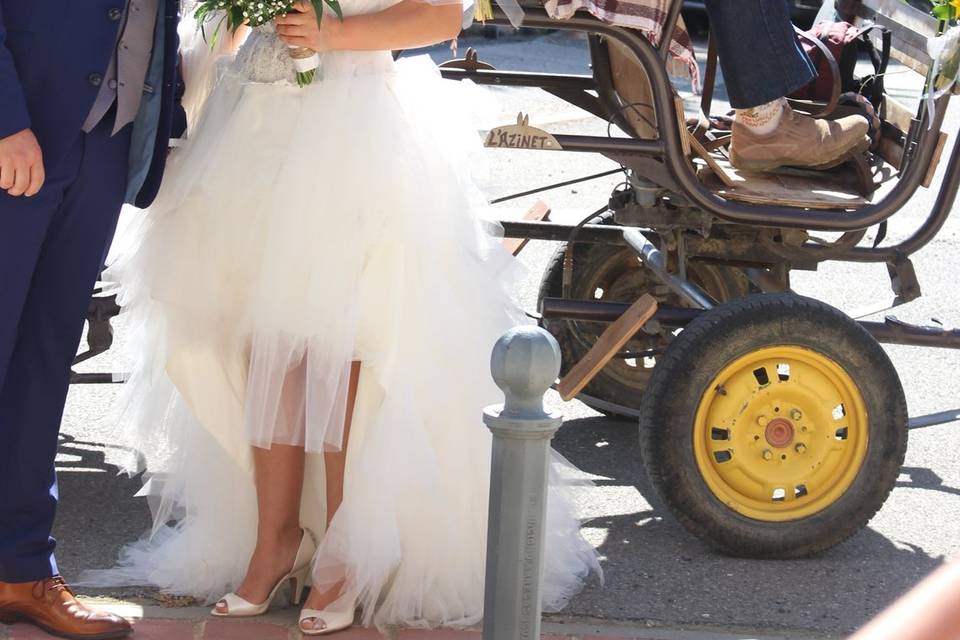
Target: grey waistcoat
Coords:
[(123, 82)]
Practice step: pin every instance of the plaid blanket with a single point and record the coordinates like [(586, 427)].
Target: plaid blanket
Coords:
[(648, 17)]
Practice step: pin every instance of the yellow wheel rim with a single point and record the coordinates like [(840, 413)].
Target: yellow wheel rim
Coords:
[(780, 433)]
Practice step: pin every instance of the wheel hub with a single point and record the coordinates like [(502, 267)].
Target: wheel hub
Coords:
[(779, 433)]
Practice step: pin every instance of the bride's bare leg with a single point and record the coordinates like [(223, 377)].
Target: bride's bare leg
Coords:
[(278, 475), (279, 481), (335, 464)]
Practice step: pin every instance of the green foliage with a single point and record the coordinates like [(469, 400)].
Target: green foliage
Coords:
[(945, 10), (252, 12)]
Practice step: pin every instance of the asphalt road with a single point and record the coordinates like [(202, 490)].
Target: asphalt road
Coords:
[(655, 571)]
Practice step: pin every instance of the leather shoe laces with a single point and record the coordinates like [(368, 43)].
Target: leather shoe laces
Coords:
[(56, 583)]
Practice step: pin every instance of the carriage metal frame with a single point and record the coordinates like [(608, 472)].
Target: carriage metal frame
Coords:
[(701, 226), (663, 161)]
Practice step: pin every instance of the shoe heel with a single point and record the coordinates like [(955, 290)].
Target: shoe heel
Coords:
[(8, 617), (298, 583)]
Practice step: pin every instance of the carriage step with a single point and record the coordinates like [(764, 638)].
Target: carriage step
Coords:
[(609, 344)]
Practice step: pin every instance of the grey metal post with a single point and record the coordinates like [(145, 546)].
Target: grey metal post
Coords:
[(525, 362)]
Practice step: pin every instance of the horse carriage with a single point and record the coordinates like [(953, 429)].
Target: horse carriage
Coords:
[(772, 425)]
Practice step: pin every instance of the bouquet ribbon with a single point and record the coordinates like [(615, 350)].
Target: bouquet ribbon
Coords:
[(304, 59)]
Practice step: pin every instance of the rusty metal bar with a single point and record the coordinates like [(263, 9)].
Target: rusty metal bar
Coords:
[(891, 331)]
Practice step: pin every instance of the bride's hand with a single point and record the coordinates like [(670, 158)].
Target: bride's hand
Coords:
[(299, 28)]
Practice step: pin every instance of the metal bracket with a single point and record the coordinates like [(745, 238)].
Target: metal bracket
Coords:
[(663, 217), (903, 280)]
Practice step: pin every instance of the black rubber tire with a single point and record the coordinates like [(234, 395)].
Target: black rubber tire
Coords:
[(612, 384), (697, 356)]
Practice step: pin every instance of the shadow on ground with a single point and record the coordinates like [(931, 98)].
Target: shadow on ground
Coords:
[(655, 570), (97, 514)]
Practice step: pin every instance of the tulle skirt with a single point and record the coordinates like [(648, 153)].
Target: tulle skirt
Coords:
[(297, 232)]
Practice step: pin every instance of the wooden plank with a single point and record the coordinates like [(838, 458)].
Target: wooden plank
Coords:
[(826, 202), (682, 123), (539, 212), (891, 151), (911, 57), (832, 189), (894, 114), (910, 28), (610, 343), (632, 84), (897, 114), (906, 16), (935, 160), (712, 162)]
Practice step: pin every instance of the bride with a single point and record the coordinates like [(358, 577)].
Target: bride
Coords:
[(316, 301)]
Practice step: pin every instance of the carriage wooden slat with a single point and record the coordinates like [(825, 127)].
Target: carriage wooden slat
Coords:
[(805, 191), (910, 28)]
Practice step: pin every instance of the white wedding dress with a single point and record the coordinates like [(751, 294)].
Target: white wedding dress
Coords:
[(299, 230)]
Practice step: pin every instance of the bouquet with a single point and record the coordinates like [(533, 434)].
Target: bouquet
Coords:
[(254, 13)]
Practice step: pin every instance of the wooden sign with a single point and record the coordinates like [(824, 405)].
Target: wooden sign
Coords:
[(521, 136)]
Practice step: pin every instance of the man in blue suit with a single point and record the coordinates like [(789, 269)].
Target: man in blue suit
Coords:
[(87, 107)]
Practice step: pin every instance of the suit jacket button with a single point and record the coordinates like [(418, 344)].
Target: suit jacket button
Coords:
[(95, 79), (115, 14)]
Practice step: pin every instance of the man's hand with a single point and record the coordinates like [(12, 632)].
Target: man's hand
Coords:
[(21, 164), (299, 28)]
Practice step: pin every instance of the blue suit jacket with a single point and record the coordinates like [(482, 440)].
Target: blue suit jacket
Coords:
[(52, 54)]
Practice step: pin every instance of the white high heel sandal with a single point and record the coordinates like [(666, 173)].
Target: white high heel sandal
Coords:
[(330, 621), (238, 607)]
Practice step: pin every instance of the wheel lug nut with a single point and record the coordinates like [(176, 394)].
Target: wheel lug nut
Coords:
[(795, 414), (800, 448), (762, 420), (767, 454)]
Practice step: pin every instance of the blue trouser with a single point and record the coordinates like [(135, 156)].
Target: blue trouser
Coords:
[(759, 53), (51, 250)]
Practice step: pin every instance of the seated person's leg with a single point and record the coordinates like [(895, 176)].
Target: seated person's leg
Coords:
[(762, 62)]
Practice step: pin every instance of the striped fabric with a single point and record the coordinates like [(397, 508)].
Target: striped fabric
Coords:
[(648, 17)]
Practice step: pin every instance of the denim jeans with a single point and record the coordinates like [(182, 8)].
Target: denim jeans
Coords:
[(760, 56)]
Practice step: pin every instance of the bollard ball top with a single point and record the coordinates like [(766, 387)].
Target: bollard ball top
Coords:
[(525, 362)]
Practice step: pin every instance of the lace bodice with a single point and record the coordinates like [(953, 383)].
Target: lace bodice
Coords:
[(263, 57)]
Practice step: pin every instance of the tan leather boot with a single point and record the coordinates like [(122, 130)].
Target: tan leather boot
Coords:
[(799, 141)]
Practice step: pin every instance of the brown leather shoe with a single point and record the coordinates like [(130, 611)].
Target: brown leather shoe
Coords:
[(50, 605), (799, 141)]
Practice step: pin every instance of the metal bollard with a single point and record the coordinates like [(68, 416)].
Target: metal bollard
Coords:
[(525, 362)]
